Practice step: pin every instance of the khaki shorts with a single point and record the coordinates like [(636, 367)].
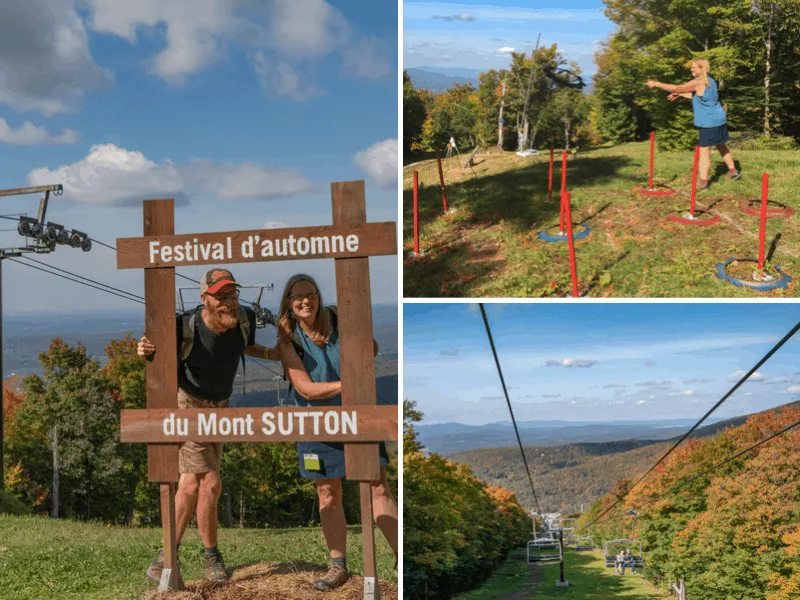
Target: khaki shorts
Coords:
[(197, 457)]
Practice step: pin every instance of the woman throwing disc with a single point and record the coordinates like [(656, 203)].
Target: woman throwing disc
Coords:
[(709, 116)]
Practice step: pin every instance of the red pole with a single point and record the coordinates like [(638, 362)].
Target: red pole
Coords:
[(563, 185), (441, 180), (652, 153), (416, 213), (571, 243), (550, 177), (763, 227), (694, 177)]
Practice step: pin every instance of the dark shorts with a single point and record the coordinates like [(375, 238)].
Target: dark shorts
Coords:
[(331, 458), (713, 136)]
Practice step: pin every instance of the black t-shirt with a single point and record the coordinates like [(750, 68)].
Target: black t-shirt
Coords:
[(210, 369)]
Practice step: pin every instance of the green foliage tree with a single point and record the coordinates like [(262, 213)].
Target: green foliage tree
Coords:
[(413, 115)]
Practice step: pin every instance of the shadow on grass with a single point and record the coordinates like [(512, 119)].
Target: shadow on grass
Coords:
[(594, 579), (518, 197)]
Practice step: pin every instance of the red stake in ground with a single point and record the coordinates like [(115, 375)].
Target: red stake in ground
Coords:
[(694, 177), (763, 226), (416, 213), (563, 186), (573, 267)]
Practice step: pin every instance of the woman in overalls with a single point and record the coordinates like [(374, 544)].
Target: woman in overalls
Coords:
[(309, 343)]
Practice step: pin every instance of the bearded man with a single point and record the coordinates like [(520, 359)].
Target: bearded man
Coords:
[(207, 367)]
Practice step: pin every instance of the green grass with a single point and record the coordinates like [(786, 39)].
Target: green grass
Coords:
[(586, 572), (42, 558), (488, 245)]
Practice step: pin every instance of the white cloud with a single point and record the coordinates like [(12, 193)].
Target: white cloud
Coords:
[(279, 78), (367, 58), (29, 134), (193, 30), (379, 162), (641, 402), (285, 38), (458, 17), (737, 375), (275, 225), (506, 50), (45, 61), (793, 389), (110, 175), (244, 180), (571, 363)]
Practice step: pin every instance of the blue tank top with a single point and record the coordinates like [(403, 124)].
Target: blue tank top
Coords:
[(707, 109), (322, 364)]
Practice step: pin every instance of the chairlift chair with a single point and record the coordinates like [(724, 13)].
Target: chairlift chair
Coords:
[(544, 551), (611, 557), (583, 544)]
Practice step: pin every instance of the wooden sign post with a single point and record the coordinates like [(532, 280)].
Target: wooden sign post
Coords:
[(359, 422)]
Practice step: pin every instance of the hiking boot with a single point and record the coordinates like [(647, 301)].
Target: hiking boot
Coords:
[(334, 578), (703, 187), (215, 567), (153, 572), (734, 175)]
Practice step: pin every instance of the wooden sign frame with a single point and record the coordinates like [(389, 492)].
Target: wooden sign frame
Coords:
[(351, 240)]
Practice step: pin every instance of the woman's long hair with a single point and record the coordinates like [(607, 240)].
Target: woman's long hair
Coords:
[(704, 67), (286, 319)]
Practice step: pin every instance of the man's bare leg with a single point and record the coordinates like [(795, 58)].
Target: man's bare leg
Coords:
[(384, 508)]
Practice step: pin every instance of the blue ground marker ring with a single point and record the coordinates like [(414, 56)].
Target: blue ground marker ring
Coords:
[(543, 235), (781, 282)]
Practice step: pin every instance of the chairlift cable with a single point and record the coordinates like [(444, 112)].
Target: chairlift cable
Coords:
[(508, 401), (75, 280), (83, 277), (746, 376), (176, 273), (727, 460)]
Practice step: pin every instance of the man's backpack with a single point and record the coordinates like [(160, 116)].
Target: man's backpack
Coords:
[(189, 322)]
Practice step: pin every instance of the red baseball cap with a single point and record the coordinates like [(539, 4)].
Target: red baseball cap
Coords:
[(216, 279)]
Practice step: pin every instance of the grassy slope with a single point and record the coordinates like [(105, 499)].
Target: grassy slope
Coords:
[(42, 559), (589, 579), (488, 245)]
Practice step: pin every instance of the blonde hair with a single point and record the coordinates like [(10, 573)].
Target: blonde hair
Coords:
[(704, 66), (321, 332)]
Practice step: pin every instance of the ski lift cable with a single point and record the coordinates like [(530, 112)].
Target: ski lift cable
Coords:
[(727, 460), (176, 274), (83, 277), (746, 376), (508, 401), (75, 280)]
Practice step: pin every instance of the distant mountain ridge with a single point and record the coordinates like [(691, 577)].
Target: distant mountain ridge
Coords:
[(568, 476), (438, 81), (447, 438)]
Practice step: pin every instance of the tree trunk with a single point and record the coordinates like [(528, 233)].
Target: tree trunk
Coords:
[(54, 509), (500, 119), (132, 495), (768, 45), (228, 512), (241, 509), (567, 124)]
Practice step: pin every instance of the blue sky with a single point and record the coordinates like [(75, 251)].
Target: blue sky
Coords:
[(479, 35), (244, 112), (597, 361)]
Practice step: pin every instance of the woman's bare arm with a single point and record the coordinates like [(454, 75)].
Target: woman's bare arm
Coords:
[(298, 376), (688, 87)]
